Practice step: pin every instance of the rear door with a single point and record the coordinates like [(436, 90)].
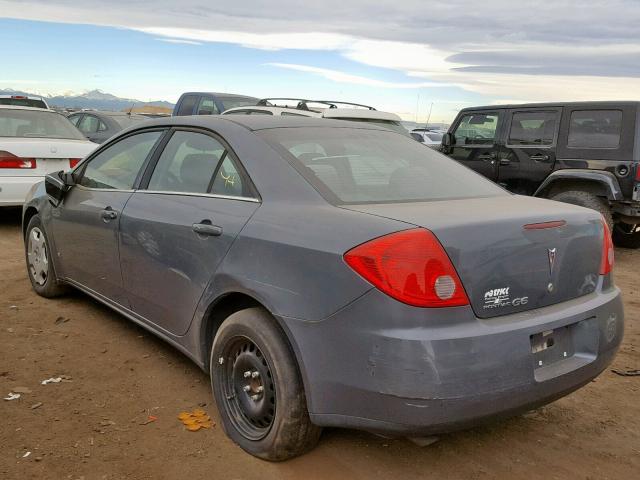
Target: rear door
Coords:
[(85, 225), (476, 142), (175, 232), (529, 154)]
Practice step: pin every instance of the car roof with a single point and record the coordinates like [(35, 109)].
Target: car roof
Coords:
[(20, 107), (258, 122), (604, 103), (275, 110), (219, 94), (359, 113)]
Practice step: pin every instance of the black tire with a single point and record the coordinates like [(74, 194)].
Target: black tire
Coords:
[(273, 425), (586, 199), (626, 236), (43, 277)]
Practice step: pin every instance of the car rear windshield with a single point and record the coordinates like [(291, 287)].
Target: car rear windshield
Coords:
[(36, 124), (351, 165), (23, 102), (233, 102)]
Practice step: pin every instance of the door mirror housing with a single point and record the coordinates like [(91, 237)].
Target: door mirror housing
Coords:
[(57, 184), (447, 140)]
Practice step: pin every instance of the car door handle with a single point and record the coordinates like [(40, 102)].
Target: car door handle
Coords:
[(207, 229), (505, 161), (487, 156), (540, 158), (108, 214)]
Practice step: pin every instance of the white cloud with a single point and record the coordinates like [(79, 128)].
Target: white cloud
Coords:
[(179, 41)]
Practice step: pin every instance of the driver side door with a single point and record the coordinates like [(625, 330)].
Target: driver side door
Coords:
[(475, 142)]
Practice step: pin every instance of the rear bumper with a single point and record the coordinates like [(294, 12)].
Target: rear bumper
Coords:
[(382, 366), (13, 190)]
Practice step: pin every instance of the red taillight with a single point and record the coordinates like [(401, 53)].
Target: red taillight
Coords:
[(606, 263), (74, 161), (410, 266), (9, 160)]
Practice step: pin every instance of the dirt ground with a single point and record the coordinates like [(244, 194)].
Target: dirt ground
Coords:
[(95, 425)]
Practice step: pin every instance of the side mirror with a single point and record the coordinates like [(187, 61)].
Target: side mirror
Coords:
[(57, 184), (447, 140)]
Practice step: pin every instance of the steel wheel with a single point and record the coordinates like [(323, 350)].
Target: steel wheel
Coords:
[(249, 391), (37, 256)]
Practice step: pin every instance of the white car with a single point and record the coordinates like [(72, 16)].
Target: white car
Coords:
[(34, 142), (24, 101), (322, 109), (431, 138)]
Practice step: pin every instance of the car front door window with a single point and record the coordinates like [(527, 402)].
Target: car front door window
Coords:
[(117, 166), (477, 129)]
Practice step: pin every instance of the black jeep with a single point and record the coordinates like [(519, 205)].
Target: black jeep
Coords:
[(585, 153)]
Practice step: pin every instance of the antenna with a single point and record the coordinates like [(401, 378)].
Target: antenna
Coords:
[(429, 116)]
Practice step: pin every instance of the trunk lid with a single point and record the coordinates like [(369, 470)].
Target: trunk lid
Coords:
[(51, 154), (504, 267)]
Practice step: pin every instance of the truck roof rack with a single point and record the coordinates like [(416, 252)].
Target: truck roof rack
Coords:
[(302, 103)]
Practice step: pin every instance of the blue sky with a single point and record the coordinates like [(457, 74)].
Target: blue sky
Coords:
[(397, 58)]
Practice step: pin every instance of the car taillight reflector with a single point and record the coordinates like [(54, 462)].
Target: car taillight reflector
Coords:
[(9, 160), (606, 263), (74, 161), (410, 266)]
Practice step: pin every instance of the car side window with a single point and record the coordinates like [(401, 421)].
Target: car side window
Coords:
[(533, 128), (117, 166), (74, 119), (229, 180), (595, 129), (207, 106), (187, 104), (89, 124), (187, 163), (477, 129)]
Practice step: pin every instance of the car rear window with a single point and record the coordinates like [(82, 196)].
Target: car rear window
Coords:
[(595, 129), (36, 124), (351, 165), (233, 102), (23, 102)]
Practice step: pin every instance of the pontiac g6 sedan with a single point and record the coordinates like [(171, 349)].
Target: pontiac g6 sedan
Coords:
[(328, 273)]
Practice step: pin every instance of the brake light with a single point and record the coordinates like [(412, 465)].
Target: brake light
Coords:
[(410, 266), (74, 161), (9, 160), (606, 263)]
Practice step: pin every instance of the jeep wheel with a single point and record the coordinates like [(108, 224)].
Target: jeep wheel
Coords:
[(258, 388), (588, 200), (626, 236)]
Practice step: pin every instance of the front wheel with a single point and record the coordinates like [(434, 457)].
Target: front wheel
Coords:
[(258, 389), (626, 236), (39, 263)]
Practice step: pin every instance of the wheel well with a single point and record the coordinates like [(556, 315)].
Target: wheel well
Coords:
[(217, 313), (31, 211), (590, 186)]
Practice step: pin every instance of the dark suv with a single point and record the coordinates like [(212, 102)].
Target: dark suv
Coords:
[(585, 153)]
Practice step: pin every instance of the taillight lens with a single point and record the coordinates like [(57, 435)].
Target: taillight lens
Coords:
[(74, 161), (410, 266), (9, 160), (606, 263)]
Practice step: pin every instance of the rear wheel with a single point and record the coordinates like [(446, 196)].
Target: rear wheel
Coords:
[(588, 200), (258, 388), (626, 235), (39, 264)]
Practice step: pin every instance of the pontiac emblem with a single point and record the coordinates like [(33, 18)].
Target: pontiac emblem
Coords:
[(552, 259)]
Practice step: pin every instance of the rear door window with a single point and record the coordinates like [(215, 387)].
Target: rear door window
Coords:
[(90, 124), (207, 106), (118, 166), (595, 129), (533, 128), (187, 105), (477, 129)]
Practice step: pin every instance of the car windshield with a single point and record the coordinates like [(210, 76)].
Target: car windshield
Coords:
[(233, 102), (36, 124), (351, 165)]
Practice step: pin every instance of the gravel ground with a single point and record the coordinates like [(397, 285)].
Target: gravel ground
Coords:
[(97, 423)]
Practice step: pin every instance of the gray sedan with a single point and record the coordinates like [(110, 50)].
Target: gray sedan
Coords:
[(100, 126), (328, 274)]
